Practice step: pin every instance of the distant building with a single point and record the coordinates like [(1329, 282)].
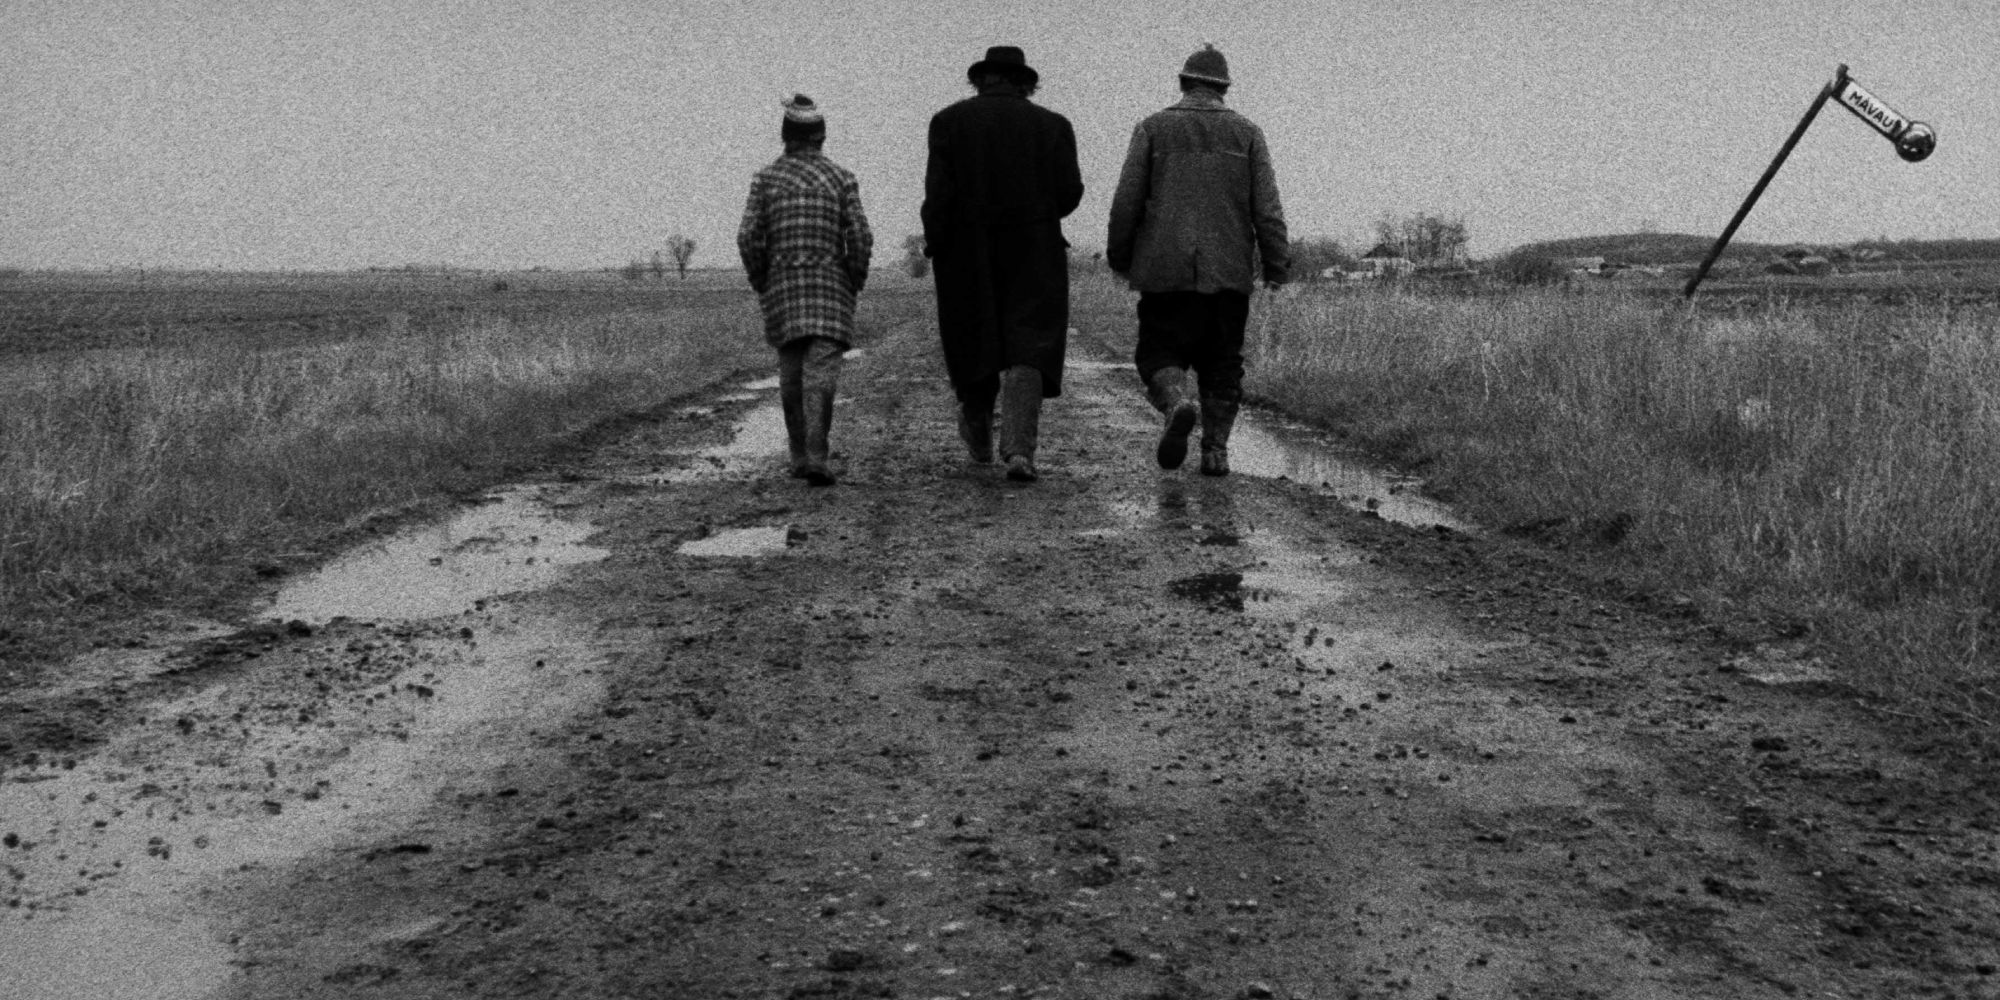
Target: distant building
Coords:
[(1809, 265), (1385, 261)]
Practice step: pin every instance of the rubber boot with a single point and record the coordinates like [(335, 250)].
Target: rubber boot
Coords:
[(1218, 417), (1167, 389), (818, 407), (792, 396), (1020, 421)]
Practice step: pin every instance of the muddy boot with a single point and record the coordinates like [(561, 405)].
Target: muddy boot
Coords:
[(818, 407), (1167, 389), (1020, 421), (792, 397), (1217, 418), (976, 430)]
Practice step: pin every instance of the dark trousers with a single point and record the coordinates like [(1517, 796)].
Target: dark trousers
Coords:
[(1198, 330), (978, 396)]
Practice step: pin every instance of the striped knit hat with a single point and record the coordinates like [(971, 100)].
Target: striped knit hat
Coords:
[(802, 119)]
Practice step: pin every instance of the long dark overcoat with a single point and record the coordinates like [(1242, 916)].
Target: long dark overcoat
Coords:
[(1002, 176)]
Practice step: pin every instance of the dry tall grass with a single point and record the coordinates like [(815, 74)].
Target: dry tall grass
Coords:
[(1834, 463), (131, 473)]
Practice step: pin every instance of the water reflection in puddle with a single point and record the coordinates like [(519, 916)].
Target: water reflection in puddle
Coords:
[(756, 446), (757, 442), (509, 544), (111, 955), (1283, 451), (1095, 365), (1276, 452), (760, 433), (1283, 583), (1221, 590), (743, 542), (1307, 595)]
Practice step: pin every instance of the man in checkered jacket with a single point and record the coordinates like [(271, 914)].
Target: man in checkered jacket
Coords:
[(805, 244)]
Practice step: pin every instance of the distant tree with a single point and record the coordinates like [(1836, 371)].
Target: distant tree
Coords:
[(914, 260), (1426, 238), (682, 247), (1312, 255), (658, 267)]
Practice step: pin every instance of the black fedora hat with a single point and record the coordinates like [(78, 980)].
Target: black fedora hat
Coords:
[(1007, 60)]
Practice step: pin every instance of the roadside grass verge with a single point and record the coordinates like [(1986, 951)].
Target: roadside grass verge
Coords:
[(137, 478), (1831, 466)]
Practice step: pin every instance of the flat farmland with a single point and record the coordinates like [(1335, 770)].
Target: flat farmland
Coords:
[(1953, 284), (79, 310)]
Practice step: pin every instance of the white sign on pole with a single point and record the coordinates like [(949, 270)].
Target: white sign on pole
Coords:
[(1873, 111), (1914, 140)]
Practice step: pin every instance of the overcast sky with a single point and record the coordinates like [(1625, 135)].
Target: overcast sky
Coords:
[(578, 133)]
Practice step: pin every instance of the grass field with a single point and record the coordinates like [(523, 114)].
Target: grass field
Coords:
[(162, 438), (1830, 463)]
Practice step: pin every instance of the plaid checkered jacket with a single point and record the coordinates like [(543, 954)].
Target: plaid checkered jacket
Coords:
[(805, 244)]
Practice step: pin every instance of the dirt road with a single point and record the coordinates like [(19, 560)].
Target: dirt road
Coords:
[(665, 723)]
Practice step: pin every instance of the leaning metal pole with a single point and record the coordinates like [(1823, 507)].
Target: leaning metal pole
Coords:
[(1839, 78)]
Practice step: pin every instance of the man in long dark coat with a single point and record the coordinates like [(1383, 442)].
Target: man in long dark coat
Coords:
[(1002, 176)]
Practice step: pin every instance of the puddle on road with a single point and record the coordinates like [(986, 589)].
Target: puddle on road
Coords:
[(108, 955), (510, 544), (1284, 582), (1221, 590), (742, 542), (117, 853), (1262, 446), (759, 433), (1094, 365), (1343, 653), (756, 448), (757, 443), (1284, 451), (110, 857)]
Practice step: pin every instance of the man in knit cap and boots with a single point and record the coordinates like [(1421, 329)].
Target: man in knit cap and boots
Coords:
[(1001, 176), (1196, 207), (805, 245)]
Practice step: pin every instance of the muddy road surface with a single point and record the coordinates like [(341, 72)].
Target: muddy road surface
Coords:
[(664, 722)]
